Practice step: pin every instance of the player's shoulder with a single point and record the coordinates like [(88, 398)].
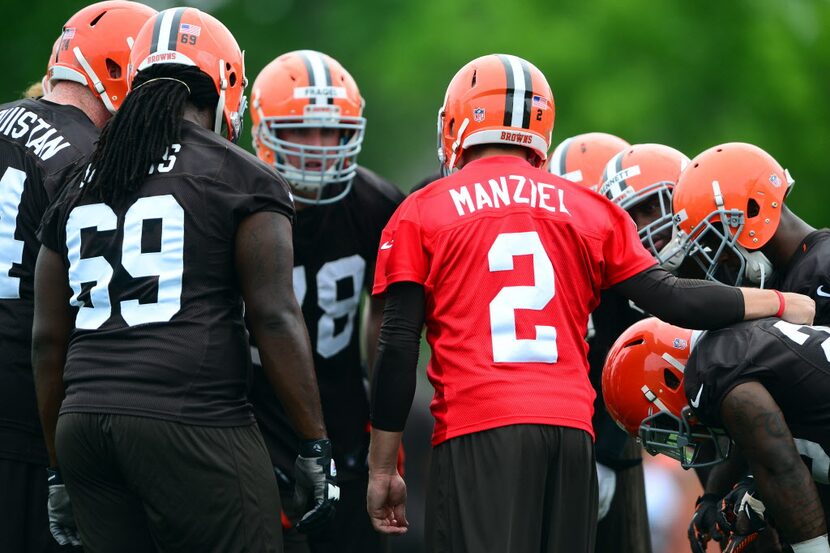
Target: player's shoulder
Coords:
[(817, 245), (53, 135), (209, 152), (370, 184)]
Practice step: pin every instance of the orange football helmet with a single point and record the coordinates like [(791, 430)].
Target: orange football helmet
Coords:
[(644, 173), (495, 99), (728, 203), (94, 48), (308, 89), (192, 37), (642, 385), (582, 158)]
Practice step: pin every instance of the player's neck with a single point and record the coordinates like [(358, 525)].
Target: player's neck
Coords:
[(792, 230), (75, 94), (481, 152), (200, 116)]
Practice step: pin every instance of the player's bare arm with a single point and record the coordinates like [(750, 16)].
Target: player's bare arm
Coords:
[(757, 425), (263, 242), (50, 336)]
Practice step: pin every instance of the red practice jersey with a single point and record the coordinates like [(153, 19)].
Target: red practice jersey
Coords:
[(512, 260)]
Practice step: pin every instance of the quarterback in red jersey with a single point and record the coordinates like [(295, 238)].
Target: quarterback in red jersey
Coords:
[(503, 262)]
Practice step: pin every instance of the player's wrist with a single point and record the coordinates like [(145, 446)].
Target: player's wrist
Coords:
[(53, 476), (782, 304), (320, 448)]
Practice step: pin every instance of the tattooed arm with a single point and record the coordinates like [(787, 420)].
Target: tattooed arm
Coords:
[(757, 425)]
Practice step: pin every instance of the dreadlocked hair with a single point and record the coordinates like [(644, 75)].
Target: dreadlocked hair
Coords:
[(139, 134)]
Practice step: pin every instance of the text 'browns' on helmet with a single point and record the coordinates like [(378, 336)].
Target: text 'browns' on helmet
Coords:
[(495, 99), (188, 36)]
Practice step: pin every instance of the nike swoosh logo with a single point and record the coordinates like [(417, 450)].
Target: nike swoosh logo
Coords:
[(822, 294), (387, 245), (696, 401)]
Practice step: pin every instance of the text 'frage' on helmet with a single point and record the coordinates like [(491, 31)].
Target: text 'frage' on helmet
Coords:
[(302, 91)]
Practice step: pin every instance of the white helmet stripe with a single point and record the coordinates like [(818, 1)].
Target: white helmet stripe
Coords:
[(519, 88), (166, 27), (317, 73)]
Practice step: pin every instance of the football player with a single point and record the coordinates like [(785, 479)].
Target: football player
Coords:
[(41, 142), (308, 124), (730, 203), (503, 262), (764, 385), (639, 179), (582, 158), (139, 289)]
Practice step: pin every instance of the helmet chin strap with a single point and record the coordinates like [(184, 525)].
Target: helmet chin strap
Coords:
[(220, 105), (96, 82), (757, 266), (457, 143)]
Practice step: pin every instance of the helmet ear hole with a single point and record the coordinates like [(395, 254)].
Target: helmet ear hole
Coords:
[(232, 78), (452, 126), (752, 208), (113, 69), (671, 379)]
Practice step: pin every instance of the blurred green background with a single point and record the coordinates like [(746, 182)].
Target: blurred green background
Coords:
[(689, 74)]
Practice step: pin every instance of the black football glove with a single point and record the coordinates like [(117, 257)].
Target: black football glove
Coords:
[(704, 525), (61, 518), (315, 490), (742, 515)]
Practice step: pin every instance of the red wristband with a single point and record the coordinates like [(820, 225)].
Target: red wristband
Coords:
[(782, 304)]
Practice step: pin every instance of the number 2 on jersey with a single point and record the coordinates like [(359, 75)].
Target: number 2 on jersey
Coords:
[(507, 347)]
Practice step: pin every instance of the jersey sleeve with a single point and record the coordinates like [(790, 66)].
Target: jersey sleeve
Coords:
[(52, 229), (720, 361), (402, 255), (623, 252), (381, 210), (251, 187)]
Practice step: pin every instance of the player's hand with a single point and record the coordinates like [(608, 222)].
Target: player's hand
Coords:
[(386, 503), (61, 518), (607, 483), (798, 309), (741, 511), (704, 525), (315, 490)]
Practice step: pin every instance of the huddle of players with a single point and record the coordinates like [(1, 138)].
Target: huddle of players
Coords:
[(722, 216), (308, 125)]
